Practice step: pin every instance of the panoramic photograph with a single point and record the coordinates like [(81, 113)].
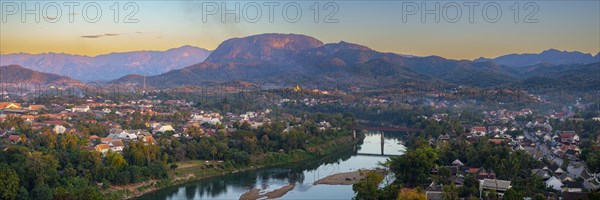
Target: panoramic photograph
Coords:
[(300, 99)]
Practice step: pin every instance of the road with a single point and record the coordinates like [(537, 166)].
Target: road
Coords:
[(548, 154)]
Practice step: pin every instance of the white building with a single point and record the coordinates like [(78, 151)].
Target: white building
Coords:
[(80, 109), (116, 145), (59, 129), (163, 128), (554, 183)]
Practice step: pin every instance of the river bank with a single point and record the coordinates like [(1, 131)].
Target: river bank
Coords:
[(256, 193), (346, 178), (190, 171)]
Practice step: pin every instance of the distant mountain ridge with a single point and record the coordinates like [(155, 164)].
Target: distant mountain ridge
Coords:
[(573, 77), (292, 57), (19, 74), (550, 56), (109, 66), (266, 47)]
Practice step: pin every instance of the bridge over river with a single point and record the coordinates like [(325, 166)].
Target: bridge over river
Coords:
[(381, 131)]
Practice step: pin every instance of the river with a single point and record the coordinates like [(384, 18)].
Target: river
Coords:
[(302, 175)]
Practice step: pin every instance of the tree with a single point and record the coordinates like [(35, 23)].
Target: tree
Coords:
[(41, 169), (411, 195), (470, 187), (138, 153), (512, 194), (124, 177), (444, 175), (42, 192), (539, 196), (593, 161), (245, 126), (265, 141), (367, 187), (450, 192), (68, 140), (595, 194), (391, 191), (9, 182), (238, 156), (414, 167), (565, 163), (194, 131), (48, 139), (248, 141), (492, 195), (116, 161)]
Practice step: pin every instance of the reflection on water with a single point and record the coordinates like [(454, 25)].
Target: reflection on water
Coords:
[(302, 175)]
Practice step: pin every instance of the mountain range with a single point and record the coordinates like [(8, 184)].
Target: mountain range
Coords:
[(292, 58), (299, 58), (277, 57), (18, 74), (550, 56), (108, 66)]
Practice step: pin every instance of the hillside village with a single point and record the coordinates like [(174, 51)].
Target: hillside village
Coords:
[(555, 140), (561, 168), (116, 137)]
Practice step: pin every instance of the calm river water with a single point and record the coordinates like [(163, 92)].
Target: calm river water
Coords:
[(232, 186)]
